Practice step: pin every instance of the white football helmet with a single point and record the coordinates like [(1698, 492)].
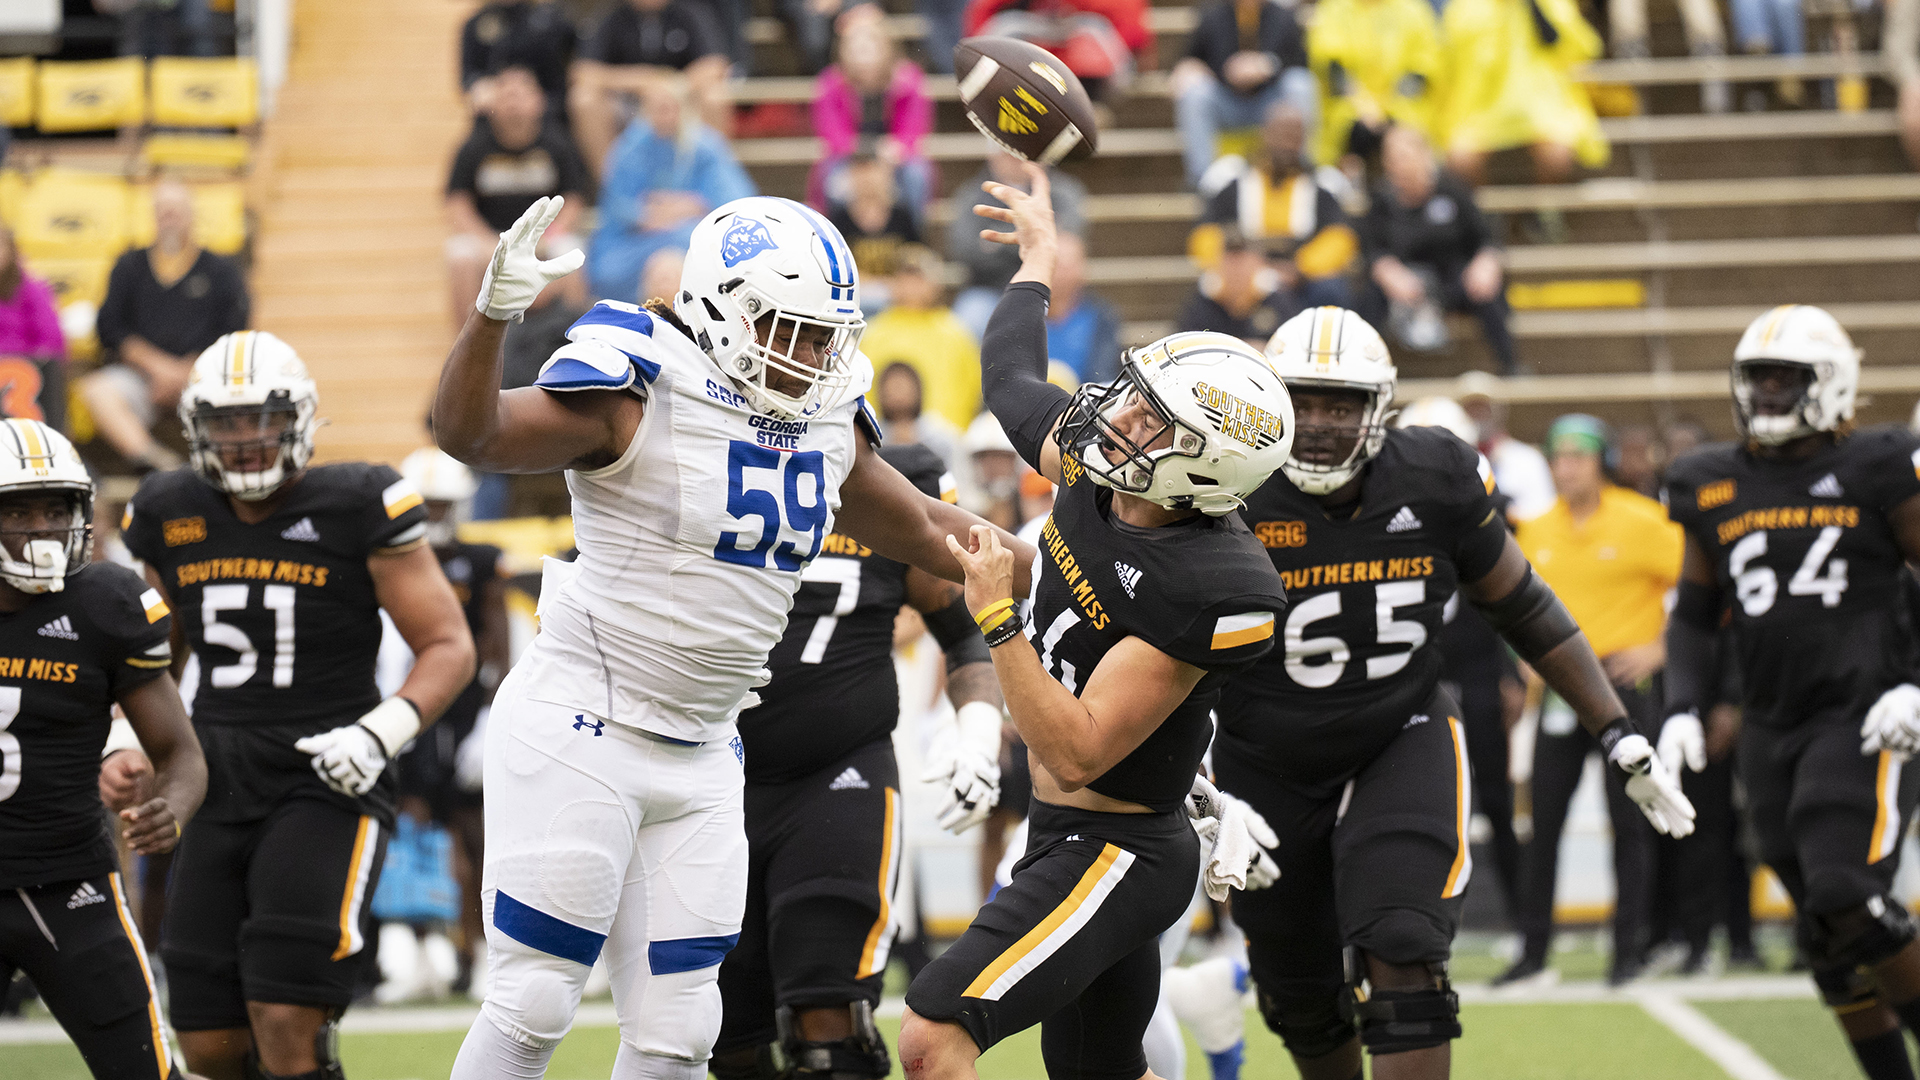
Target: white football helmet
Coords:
[(444, 479), (34, 458), (763, 268), (1331, 348), (1231, 418), (1440, 412), (244, 378), (1802, 336)]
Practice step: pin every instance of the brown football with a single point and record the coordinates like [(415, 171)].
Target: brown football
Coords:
[(1024, 99)]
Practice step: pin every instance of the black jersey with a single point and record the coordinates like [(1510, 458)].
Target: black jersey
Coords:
[(468, 568), (1810, 567), (1201, 591), (282, 616), (64, 659), (1367, 600), (833, 687)]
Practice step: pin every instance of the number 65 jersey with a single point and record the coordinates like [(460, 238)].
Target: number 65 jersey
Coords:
[(1807, 561)]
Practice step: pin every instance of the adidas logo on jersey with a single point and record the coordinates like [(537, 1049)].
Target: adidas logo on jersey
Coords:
[(61, 627), (84, 895), (1828, 487), (1129, 577), (849, 780), (300, 530), (1404, 521)]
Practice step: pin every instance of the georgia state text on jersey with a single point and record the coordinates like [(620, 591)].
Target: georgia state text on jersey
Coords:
[(1806, 558), (833, 688), (282, 616), (1200, 590), (64, 658), (1366, 600), (693, 542)]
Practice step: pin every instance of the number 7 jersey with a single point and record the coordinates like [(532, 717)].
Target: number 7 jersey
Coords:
[(1806, 559)]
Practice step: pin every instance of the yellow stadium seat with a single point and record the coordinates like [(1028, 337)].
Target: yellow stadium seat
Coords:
[(16, 91), (180, 151), (219, 217), (74, 280), (191, 92), (13, 188), (91, 95), (69, 214)]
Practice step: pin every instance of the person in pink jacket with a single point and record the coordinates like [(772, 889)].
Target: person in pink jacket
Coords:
[(872, 102), (33, 352)]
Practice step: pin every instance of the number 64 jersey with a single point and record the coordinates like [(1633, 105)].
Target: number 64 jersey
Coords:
[(1807, 561)]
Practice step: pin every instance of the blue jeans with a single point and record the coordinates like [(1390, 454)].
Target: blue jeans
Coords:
[(1774, 25), (943, 32), (1203, 112)]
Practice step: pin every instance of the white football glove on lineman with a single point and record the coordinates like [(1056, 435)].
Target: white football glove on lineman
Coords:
[(1683, 739), (350, 759), (516, 273), (964, 758), (1237, 839), (1653, 787), (1893, 723)]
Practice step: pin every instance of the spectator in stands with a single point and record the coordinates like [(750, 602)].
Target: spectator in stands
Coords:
[(1640, 457), (166, 28), (1509, 83), (30, 336), (517, 154), (1627, 28), (1520, 470), (164, 305), (1773, 26), (875, 222), (900, 400), (1428, 250), (1279, 200), (535, 35), (1083, 330), (872, 103), (812, 25), (920, 332), (1900, 43), (667, 170), (1378, 62), (1243, 58), (642, 46), (660, 278), (1243, 295), (1101, 41), (991, 266), (944, 21)]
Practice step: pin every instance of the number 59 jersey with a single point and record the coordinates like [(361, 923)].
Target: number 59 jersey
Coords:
[(1808, 562), (692, 543)]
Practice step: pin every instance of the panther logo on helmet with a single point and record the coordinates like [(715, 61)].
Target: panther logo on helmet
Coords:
[(745, 238)]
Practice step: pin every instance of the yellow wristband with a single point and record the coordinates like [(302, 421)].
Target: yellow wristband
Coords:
[(996, 621), (991, 610)]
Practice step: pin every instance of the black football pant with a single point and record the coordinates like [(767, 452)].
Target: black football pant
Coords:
[(1558, 762), (1478, 691)]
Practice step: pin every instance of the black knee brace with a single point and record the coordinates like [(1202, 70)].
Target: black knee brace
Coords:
[(1311, 1027), (756, 1063), (1397, 1021), (860, 1056), (326, 1051), (1841, 959)]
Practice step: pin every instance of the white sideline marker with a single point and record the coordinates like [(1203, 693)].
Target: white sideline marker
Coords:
[(1736, 1058)]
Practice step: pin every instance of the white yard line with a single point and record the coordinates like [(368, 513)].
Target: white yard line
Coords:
[(1735, 1057)]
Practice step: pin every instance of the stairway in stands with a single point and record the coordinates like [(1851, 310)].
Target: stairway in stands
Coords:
[(348, 266)]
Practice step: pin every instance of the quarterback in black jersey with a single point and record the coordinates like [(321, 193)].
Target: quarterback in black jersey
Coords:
[(1344, 739), (278, 573), (823, 811), (1149, 591), (76, 639), (1799, 532)]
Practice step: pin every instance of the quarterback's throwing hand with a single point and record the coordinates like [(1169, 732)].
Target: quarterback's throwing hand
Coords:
[(1237, 839), (1893, 723), (988, 566), (1652, 787), (516, 273)]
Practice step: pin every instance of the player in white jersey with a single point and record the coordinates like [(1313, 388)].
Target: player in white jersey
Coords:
[(710, 446)]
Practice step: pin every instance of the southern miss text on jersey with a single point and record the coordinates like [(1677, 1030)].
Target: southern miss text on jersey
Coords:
[(833, 688), (282, 616), (1807, 561), (1200, 591), (64, 658), (1360, 639)]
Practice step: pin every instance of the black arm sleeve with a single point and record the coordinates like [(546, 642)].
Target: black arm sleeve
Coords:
[(1531, 618), (1013, 369), (1691, 669), (959, 638)]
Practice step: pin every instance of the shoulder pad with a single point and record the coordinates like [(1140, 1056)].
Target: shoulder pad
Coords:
[(626, 327), (587, 365)]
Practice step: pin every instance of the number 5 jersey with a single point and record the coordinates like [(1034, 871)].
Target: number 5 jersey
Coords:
[(1808, 562), (282, 617)]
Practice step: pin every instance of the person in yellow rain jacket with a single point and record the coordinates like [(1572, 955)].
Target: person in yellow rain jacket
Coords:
[(1509, 82), (1377, 62)]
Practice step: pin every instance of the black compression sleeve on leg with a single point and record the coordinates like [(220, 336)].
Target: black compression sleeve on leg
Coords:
[(1013, 369), (959, 638), (1690, 645), (1884, 1056)]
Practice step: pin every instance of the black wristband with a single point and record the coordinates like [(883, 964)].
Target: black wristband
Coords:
[(1610, 736), (1005, 632)]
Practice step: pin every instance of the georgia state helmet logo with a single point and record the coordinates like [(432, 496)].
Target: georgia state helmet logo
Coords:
[(744, 239)]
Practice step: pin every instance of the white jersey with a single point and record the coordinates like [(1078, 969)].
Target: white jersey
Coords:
[(691, 545)]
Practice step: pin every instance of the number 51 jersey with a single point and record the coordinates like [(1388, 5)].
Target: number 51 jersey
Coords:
[(1807, 561), (282, 616)]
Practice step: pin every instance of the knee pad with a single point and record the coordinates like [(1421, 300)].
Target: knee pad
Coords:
[(532, 995), (1404, 937), (860, 1056), (1841, 948), (1311, 1027), (674, 1015), (1398, 1021)]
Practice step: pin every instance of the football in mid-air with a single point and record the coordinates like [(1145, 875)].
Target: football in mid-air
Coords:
[(1024, 99)]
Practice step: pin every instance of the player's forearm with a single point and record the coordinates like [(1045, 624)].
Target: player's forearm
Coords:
[(159, 721), (441, 670), (892, 517), (1053, 723), (973, 682), (466, 406), (1574, 672), (180, 777)]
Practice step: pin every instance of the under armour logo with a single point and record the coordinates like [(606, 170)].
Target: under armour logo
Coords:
[(580, 721)]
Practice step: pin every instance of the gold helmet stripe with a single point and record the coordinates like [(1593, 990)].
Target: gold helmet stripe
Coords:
[(239, 357), (34, 451), (1774, 318)]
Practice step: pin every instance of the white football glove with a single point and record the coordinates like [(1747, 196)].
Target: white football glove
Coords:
[(350, 759), (1893, 723), (1682, 738), (964, 758), (516, 274), (470, 758), (1653, 787), (1237, 839)]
